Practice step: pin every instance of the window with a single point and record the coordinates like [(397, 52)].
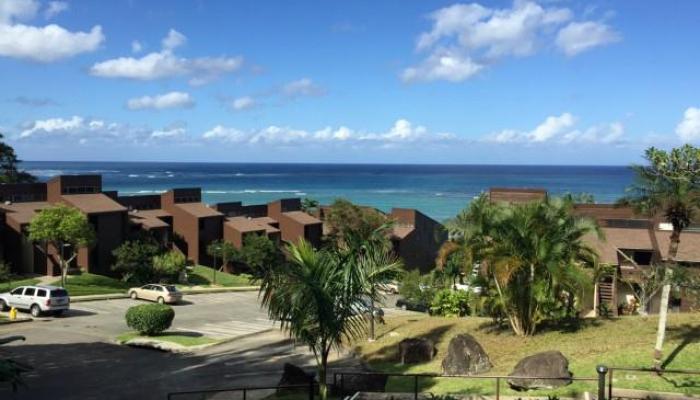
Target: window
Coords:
[(29, 291), (158, 288), (171, 288), (17, 291), (59, 293), (41, 293)]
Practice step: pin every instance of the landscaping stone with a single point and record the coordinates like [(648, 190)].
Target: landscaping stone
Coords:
[(293, 376), (416, 350), (541, 365), (465, 356), (351, 384)]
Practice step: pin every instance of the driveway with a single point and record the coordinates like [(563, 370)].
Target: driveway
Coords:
[(74, 357)]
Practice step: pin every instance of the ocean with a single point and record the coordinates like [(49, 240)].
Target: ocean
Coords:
[(440, 191)]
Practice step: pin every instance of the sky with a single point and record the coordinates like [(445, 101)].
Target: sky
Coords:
[(381, 81)]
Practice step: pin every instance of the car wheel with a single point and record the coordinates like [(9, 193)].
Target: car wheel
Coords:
[(3, 305), (161, 300), (35, 311), (134, 295)]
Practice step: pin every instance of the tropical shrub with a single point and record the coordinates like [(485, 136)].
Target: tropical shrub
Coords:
[(450, 303), (169, 266), (150, 319), (134, 260), (260, 254)]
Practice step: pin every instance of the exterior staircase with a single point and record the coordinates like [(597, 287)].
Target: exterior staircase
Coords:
[(607, 295)]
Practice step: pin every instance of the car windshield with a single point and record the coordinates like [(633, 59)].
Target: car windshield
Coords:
[(59, 293), (171, 288)]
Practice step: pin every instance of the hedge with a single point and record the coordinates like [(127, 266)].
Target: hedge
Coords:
[(150, 319)]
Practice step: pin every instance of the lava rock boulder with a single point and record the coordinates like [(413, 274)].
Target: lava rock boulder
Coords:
[(541, 366), (416, 350), (465, 356)]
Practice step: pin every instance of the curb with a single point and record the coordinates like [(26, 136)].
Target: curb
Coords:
[(98, 297), (15, 321)]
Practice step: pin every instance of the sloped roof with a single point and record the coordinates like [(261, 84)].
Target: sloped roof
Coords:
[(20, 214), (619, 238), (401, 232), (150, 219), (198, 210), (95, 203), (688, 249), (302, 217)]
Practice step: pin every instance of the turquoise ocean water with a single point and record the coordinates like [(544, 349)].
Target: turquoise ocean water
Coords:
[(437, 190)]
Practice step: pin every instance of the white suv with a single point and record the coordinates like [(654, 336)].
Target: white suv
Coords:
[(36, 299)]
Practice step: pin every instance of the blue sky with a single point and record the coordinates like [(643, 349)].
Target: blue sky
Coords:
[(550, 82)]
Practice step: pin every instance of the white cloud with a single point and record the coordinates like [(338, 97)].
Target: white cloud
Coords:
[(302, 87), (54, 8), (402, 132), (173, 40), (465, 38), (17, 10), (688, 130), (443, 65), (578, 37), (551, 127), (161, 101), (562, 130), (165, 64), (243, 103), (224, 134), (136, 46), (43, 44), (169, 133), (82, 130)]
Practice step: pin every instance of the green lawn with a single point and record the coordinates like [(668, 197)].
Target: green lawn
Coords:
[(7, 286), (624, 342), (180, 338), (204, 276), (89, 284)]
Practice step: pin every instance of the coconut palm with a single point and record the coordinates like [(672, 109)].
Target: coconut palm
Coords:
[(668, 186), (319, 300)]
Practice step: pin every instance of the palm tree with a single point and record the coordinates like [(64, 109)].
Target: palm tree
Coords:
[(533, 252), (670, 186), (318, 300)]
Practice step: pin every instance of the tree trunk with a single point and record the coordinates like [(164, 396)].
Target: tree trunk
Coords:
[(322, 386), (371, 320), (62, 265), (665, 294)]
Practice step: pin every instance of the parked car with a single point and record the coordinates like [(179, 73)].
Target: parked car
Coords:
[(163, 294), (37, 299), (412, 305)]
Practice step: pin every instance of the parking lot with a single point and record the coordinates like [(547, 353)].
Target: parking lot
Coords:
[(74, 356)]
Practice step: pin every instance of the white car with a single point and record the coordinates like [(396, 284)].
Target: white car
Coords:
[(37, 299)]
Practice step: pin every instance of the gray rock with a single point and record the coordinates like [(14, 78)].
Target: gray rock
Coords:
[(465, 356), (416, 350), (549, 364), (293, 376), (365, 381)]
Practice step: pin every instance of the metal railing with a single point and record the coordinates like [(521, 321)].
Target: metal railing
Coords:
[(339, 380), (657, 371), (307, 390)]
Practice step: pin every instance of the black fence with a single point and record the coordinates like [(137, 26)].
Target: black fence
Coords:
[(346, 383), (285, 392), (665, 374)]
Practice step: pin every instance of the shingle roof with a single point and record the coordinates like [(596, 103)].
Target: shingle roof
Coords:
[(619, 238), (150, 219), (244, 224), (302, 217), (198, 210), (688, 249), (95, 203), (19, 214), (400, 232)]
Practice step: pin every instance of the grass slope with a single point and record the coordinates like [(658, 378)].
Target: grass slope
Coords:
[(204, 276), (89, 284), (7, 286), (624, 342)]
